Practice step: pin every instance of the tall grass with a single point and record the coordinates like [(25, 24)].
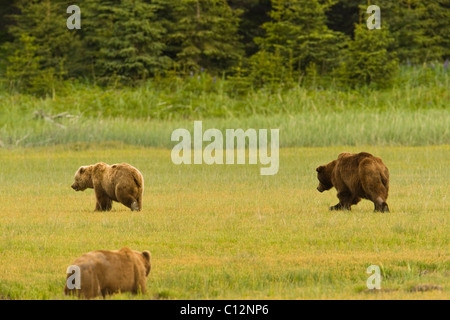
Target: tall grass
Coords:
[(401, 127), (414, 112)]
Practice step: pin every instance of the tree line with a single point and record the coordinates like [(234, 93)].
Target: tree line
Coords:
[(252, 43)]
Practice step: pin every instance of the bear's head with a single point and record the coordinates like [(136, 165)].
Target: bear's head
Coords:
[(83, 179), (324, 176)]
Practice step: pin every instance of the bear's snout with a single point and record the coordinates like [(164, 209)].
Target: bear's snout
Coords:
[(321, 188), (74, 187)]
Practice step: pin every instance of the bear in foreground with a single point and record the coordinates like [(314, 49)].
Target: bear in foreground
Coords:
[(356, 176), (119, 182), (105, 272)]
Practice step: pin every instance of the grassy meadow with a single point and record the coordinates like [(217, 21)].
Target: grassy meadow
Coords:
[(225, 231)]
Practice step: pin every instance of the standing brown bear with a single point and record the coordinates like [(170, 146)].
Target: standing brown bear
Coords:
[(356, 176), (105, 272), (120, 182)]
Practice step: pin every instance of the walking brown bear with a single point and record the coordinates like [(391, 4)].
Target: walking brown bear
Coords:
[(120, 182), (356, 176)]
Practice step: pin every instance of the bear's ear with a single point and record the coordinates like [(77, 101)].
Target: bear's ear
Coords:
[(81, 170), (319, 169), (146, 254)]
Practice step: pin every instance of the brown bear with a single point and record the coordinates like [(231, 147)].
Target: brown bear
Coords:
[(105, 272), (356, 176), (119, 182)]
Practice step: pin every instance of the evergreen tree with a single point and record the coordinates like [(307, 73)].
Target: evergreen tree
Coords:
[(297, 39), (405, 24), (255, 14), (45, 22), (269, 68), (6, 10), (206, 33), (23, 67), (38, 32), (415, 26), (261, 42), (165, 15), (419, 28), (437, 29), (343, 15), (368, 61), (123, 40)]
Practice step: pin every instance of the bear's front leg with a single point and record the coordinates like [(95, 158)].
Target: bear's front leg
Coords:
[(337, 207), (345, 201), (104, 203)]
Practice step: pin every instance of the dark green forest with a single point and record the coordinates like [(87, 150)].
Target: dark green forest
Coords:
[(251, 44)]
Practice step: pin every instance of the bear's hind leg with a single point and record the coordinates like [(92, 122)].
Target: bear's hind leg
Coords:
[(381, 205), (135, 206), (129, 201), (139, 202), (126, 195), (376, 191)]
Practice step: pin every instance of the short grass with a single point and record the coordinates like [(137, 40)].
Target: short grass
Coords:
[(226, 232)]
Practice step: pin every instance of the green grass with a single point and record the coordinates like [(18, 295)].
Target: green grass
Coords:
[(416, 88), (353, 127), (415, 112), (224, 231)]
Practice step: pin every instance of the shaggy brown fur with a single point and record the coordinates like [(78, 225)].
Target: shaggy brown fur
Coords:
[(120, 182), (356, 176), (105, 272)]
